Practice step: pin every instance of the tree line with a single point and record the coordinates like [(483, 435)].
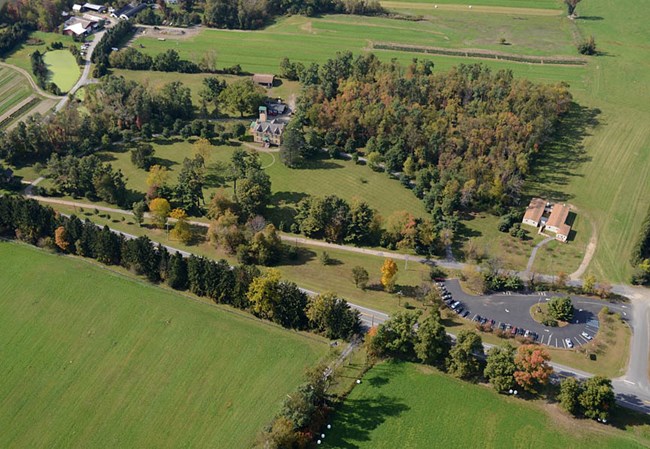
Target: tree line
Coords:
[(265, 295), (42, 14), (524, 370), (641, 255), (13, 35), (463, 139)]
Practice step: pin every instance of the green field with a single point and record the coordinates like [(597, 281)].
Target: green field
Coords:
[(64, 71), (413, 406), (14, 88), (93, 359), (317, 39), (20, 56), (536, 4)]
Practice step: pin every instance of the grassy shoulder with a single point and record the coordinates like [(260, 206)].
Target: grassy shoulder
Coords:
[(409, 405), (120, 360)]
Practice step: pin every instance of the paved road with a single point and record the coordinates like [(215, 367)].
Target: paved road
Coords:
[(633, 389), (83, 80)]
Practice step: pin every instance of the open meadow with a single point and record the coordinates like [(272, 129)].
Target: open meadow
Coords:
[(63, 68), (413, 406), (92, 358)]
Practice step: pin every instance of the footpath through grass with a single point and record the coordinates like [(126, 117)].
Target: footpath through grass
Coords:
[(412, 406), (94, 359)]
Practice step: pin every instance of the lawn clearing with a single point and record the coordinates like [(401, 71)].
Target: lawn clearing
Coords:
[(94, 359), (64, 71), (413, 406), (20, 56)]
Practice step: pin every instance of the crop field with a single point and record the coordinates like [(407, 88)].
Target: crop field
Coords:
[(94, 359), (413, 406), (14, 89), (64, 71), (317, 39), (322, 177)]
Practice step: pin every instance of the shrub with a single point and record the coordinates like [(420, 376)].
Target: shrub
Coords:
[(587, 47)]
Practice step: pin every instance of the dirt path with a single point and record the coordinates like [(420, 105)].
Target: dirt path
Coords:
[(533, 254), (589, 254)]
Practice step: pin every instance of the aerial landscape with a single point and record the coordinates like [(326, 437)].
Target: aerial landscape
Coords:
[(325, 223)]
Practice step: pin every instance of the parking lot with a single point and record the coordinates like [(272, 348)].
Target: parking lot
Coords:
[(510, 311)]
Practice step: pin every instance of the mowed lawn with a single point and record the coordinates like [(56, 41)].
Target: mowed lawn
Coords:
[(323, 177), (91, 359), (317, 39), (400, 405), (63, 68)]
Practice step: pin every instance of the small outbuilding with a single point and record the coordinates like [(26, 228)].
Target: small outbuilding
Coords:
[(264, 80)]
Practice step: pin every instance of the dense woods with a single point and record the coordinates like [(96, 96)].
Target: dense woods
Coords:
[(462, 139), (245, 287), (42, 14)]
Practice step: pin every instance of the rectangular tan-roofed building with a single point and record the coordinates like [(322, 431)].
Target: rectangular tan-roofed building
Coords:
[(557, 222), (263, 79), (534, 212)]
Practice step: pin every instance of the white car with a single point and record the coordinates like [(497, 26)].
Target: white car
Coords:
[(587, 336), (569, 343)]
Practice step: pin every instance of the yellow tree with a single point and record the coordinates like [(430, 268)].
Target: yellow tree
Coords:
[(389, 274), (182, 230), (159, 208), (202, 148), (61, 238), (157, 177)]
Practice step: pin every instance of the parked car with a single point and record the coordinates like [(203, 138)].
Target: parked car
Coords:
[(459, 309), (502, 326), (483, 321), (477, 318), (456, 304), (514, 331), (569, 343), (465, 314), (520, 331), (527, 333), (587, 336), (534, 336)]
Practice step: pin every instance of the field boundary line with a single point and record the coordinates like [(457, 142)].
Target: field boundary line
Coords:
[(481, 54)]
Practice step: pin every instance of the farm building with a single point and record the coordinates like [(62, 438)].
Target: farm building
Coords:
[(548, 216), (265, 131), (93, 7), (264, 80), (77, 8), (128, 11), (77, 26)]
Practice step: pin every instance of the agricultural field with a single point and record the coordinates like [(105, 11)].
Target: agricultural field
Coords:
[(317, 39), (414, 406), (64, 71), (97, 359), (14, 90)]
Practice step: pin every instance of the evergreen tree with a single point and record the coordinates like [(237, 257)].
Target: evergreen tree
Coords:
[(178, 276)]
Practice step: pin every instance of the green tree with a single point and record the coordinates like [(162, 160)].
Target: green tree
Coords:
[(242, 96), (597, 398), (333, 316), (433, 343), (561, 308), (142, 155), (293, 144), (360, 276), (571, 6), (463, 359), (139, 209), (363, 226), (264, 294), (570, 390), (396, 337), (501, 367), (588, 283), (254, 192), (189, 190), (177, 272)]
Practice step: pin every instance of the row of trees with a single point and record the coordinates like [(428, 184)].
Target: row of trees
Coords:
[(641, 254), (265, 295), (168, 61), (13, 35), (113, 37), (465, 138), (407, 337)]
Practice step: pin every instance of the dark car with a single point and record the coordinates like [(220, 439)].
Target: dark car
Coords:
[(459, 309), (492, 323), (477, 318), (521, 331), (502, 326), (483, 320), (465, 314)]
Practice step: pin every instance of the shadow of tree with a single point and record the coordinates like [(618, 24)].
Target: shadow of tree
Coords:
[(558, 161), (359, 417)]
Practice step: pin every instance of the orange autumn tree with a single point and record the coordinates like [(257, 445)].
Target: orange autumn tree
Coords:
[(532, 367), (61, 238), (388, 274)]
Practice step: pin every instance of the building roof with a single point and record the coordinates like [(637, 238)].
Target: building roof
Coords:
[(94, 7), (133, 10), (535, 210), (262, 78), (78, 26), (272, 127), (558, 217)]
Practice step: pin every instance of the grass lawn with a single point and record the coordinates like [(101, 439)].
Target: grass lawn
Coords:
[(63, 68), (538, 4), (95, 359), (322, 177), (20, 57), (412, 406), (316, 39)]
